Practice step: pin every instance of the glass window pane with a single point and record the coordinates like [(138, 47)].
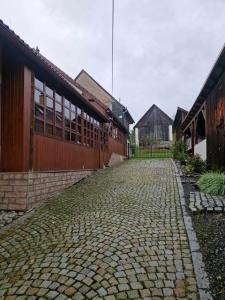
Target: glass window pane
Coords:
[(39, 126), (58, 132), (66, 103), (72, 107), (73, 126), (79, 129), (49, 102), (67, 117), (73, 137), (73, 116), (67, 113), (58, 119), (49, 129), (67, 135), (78, 111), (49, 91), (58, 98), (58, 107), (49, 115), (38, 84), (38, 97), (39, 111)]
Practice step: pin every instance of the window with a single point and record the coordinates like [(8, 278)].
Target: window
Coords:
[(57, 116), (49, 111), (39, 106)]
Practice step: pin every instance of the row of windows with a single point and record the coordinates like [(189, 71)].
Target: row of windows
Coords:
[(57, 116)]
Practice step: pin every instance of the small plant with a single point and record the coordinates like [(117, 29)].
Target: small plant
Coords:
[(189, 169), (179, 147), (179, 151), (199, 165), (182, 157), (212, 183)]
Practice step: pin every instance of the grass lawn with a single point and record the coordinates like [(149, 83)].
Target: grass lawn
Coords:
[(148, 155)]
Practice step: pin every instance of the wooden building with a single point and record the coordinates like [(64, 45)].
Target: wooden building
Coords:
[(204, 126), (155, 125), (178, 120), (122, 114), (53, 132)]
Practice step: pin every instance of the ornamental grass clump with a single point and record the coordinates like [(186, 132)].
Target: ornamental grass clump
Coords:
[(212, 183)]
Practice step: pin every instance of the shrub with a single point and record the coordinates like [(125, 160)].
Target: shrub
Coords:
[(199, 165), (182, 157), (212, 183), (179, 147), (189, 169), (179, 151)]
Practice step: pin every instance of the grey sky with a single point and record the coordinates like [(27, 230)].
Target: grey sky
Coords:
[(164, 49)]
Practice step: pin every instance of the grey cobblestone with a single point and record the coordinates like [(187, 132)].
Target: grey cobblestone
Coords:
[(119, 234), (204, 202)]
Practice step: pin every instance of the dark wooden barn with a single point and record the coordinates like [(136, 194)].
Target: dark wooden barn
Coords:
[(178, 120), (53, 133), (204, 126), (155, 125)]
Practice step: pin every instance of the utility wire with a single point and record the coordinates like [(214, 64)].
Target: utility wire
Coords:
[(112, 45)]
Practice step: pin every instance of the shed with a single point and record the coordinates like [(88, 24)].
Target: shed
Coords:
[(155, 124)]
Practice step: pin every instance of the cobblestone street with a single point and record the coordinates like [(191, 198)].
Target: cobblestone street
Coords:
[(117, 235)]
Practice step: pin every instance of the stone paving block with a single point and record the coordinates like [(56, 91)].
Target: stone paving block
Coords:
[(118, 235)]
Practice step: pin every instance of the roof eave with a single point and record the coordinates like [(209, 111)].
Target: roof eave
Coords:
[(15, 40)]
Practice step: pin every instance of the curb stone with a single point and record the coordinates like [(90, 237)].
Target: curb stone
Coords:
[(199, 266)]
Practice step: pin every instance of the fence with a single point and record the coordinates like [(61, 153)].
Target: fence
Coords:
[(157, 150)]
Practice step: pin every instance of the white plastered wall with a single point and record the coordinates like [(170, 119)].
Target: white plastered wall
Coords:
[(136, 137), (200, 149)]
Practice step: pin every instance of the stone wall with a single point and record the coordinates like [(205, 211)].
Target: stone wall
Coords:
[(22, 191)]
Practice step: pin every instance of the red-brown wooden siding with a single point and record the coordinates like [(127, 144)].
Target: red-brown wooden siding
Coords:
[(117, 147), (23, 150), (52, 154), (15, 116)]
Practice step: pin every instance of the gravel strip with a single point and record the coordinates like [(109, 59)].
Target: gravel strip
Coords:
[(210, 228)]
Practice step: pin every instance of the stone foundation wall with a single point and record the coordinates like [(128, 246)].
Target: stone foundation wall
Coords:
[(22, 191)]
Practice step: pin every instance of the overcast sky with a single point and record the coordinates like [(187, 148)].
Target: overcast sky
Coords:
[(164, 49)]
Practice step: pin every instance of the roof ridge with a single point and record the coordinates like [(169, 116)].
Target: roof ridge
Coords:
[(151, 107)]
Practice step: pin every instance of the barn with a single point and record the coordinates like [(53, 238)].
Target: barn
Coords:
[(155, 125), (178, 120), (204, 126), (53, 132)]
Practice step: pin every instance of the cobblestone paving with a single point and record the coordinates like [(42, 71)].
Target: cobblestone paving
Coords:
[(204, 202), (117, 235)]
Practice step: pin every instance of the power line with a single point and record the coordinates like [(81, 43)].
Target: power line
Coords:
[(112, 45)]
